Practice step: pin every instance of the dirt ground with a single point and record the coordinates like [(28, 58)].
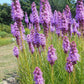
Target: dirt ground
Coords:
[(8, 63)]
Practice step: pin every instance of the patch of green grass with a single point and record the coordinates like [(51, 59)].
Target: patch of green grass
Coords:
[(5, 41)]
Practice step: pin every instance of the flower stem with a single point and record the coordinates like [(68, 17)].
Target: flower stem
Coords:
[(70, 79), (52, 74)]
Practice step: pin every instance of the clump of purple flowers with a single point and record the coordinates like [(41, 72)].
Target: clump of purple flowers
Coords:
[(66, 44), (52, 57), (38, 76), (16, 52)]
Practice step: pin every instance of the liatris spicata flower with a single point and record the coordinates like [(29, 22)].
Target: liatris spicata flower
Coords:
[(37, 39), (38, 76), (64, 25), (73, 55), (42, 41), (74, 26), (32, 33), (80, 14), (16, 12), (69, 65), (52, 57), (35, 17), (69, 18), (44, 16), (30, 26), (16, 52), (31, 47), (66, 44), (26, 19), (31, 18), (58, 23)]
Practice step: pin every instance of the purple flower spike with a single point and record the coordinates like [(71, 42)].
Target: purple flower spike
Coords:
[(16, 12), (66, 44), (31, 18), (64, 25), (29, 41), (37, 39), (16, 52), (52, 57), (58, 23), (30, 26), (69, 65), (80, 14), (38, 76), (35, 17), (42, 41), (73, 55), (26, 18)]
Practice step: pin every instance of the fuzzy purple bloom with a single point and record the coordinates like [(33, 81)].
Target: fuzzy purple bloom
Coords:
[(69, 65), (80, 14), (45, 16), (35, 17), (16, 52), (52, 57), (58, 23), (64, 25), (30, 26), (31, 47), (37, 39), (42, 41), (38, 76), (26, 18), (66, 44), (73, 55), (31, 18), (16, 12)]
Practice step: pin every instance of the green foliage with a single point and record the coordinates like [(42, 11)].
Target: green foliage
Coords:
[(3, 34), (5, 28), (5, 14), (5, 41), (27, 31)]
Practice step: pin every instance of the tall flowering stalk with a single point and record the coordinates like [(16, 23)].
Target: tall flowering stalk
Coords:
[(75, 28), (69, 18), (17, 16), (52, 57), (44, 16), (26, 19), (57, 16), (73, 57), (35, 17), (66, 44), (80, 15), (38, 76), (64, 25), (69, 68)]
